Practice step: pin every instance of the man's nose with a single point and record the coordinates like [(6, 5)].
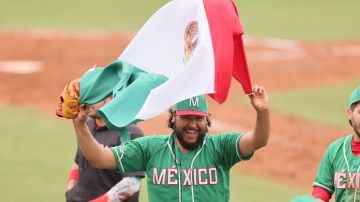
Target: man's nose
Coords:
[(192, 122)]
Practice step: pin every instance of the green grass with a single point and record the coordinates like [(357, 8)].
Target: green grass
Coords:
[(301, 19), (327, 104), (81, 14), (309, 20), (252, 188), (37, 150)]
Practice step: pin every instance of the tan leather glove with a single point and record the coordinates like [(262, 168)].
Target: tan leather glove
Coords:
[(68, 106)]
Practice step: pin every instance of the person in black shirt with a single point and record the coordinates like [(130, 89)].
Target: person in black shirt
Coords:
[(86, 183)]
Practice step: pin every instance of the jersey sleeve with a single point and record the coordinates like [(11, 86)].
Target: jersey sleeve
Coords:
[(229, 150), (321, 193), (325, 174), (132, 156)]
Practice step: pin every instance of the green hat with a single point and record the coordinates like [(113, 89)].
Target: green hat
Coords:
[(193, 106), (355, 96)]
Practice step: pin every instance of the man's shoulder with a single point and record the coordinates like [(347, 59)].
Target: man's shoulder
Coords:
[(152, 142), (339, 143), (154, 138), (224, 135), (222, 139)]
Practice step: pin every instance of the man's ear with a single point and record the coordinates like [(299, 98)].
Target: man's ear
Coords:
[(208, 122), (349, 113), (173, 118)]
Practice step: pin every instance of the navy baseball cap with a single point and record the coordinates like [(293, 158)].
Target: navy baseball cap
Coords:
[(193, 106), (355, 96)]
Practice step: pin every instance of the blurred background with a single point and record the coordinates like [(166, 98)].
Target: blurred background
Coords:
[(305, 53)]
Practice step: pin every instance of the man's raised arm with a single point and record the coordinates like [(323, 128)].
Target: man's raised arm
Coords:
[(99, 156), (258, 138)]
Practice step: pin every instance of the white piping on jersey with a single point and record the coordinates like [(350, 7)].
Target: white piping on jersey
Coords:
[(191, 168), (344, 152), (172, 153), (323, 186), (177, 163), (237, 147), (122, 155), (346, 160), (348, 167)]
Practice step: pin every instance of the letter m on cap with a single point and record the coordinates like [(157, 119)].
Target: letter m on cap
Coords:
[(194, 102)]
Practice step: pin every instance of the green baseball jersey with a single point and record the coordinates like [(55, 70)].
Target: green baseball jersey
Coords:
[(198, 175), (339, 171)]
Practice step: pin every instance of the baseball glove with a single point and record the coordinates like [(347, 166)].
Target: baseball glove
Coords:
[(68, 106)]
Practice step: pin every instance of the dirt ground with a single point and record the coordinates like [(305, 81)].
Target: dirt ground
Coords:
[(296, 146)]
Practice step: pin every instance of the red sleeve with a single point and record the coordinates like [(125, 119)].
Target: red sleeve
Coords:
[(102, 198), (73, 174), (321, 193)]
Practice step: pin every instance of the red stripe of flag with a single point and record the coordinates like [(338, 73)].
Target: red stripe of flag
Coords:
[(226, 34)]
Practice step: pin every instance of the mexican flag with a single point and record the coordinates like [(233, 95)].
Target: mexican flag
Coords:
[(187, 48)]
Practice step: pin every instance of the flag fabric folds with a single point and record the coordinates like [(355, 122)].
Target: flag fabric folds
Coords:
[(187, 48)]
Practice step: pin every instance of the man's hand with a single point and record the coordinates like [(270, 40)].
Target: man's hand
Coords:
[(259, 137), (82, 116), (259, 99)]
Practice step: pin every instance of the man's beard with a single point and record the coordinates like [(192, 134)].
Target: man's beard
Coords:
[(355, 126), (190, 146), (356, 129)]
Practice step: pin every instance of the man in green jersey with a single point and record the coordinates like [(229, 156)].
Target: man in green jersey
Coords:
[(188, 164), (339, 169)]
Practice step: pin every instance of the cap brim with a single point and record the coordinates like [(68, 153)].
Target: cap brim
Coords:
[(191, 112)]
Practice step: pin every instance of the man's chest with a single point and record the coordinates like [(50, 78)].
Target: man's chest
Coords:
[(346, 172), (187, 170)]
